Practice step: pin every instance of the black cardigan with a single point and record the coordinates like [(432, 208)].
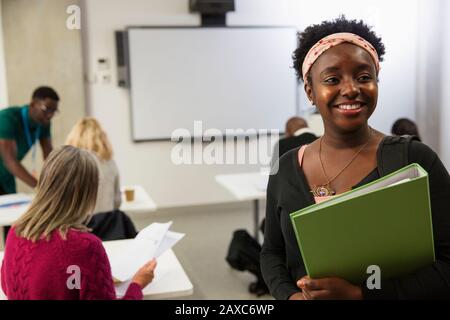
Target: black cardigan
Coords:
[(287, 191)]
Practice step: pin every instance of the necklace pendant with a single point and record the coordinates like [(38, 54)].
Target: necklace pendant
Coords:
[(323, 191)]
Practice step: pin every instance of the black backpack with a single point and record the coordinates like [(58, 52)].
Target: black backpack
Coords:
[(394, 153), (243, 255), (244, 251), (114, 225)]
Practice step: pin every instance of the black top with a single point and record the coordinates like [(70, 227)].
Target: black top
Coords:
[(288, 191), (290, 143), (286, 144)]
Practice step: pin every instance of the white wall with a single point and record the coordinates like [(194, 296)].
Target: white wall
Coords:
[(41, 50), (445, 80), (3, 87), (149, 163), (430, 59)]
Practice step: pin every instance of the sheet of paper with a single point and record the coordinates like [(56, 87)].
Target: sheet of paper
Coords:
[(150, 243), (401, 181), (16, 198), (168, 242), (154, 232)]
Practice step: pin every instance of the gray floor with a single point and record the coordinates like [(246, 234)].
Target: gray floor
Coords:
[(202, 251)]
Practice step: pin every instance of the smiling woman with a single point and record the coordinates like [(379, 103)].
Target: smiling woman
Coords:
[(339, 63)]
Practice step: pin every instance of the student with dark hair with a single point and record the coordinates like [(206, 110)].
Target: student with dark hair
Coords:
[(20, 129), (338, 61), (297, 133), (405, 126)]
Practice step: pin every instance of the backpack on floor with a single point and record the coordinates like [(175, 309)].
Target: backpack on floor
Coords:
[(243, 255)]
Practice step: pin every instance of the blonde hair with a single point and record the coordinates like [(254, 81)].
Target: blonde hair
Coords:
[(66, 195), (88, 134)]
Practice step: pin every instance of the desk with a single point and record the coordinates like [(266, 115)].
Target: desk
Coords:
[(142, 203), (247, 187), (170, 279), (10, 214)]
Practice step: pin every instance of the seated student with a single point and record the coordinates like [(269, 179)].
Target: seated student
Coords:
[(338, 61), (51, 238), (297, 134), (107, 222), (405, 126)]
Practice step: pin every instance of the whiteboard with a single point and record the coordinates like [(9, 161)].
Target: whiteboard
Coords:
[(228, 78)]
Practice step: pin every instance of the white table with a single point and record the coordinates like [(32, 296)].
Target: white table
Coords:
[(10, 214), (170, 279), (247, 187), (142, 203)]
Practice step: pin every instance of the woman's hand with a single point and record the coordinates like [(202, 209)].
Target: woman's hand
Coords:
[(297, 296), (329, 288), (145, 274)]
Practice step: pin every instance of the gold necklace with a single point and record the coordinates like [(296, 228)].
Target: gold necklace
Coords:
[(325, 190)]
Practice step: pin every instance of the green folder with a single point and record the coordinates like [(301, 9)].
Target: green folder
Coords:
[(386, 223)]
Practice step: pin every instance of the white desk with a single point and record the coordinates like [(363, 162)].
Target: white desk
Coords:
[(142, 203), (247, 187), (170, 279), (10, 214)]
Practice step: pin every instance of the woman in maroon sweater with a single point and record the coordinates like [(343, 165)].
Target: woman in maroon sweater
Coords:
[(49, 252)]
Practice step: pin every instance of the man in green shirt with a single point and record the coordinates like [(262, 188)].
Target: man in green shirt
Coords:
[(20, 128)]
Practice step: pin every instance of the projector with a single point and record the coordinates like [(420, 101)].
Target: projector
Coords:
[(211, 6)]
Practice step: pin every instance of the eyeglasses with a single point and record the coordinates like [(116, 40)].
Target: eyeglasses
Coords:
[(48, 110)]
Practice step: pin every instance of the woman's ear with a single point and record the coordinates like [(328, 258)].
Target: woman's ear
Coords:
[(309, 93)]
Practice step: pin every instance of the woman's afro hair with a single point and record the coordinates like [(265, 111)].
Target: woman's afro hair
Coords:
[(312, 34)]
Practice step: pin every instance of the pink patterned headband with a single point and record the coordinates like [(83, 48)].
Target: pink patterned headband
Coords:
[(333, 40)]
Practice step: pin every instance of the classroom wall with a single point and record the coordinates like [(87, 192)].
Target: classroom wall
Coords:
[(3, 87), (41, 50), (146, 163), (430, 60), (445, 80), (150, 164), (384, 16)]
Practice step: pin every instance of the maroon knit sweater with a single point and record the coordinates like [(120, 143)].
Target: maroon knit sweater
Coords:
[(41, 270)]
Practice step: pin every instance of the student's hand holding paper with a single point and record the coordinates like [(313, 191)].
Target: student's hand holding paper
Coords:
[(328, 288), (145, 274)]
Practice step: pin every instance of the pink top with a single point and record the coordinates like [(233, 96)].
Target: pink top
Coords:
[(40, 270), (300, 161)]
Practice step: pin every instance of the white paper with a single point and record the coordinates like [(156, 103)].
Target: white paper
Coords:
[(11, 199), (150, 243), (168, 242), (400, 182)]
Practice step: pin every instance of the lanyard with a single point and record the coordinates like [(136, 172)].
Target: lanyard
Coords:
[(31, 142)]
